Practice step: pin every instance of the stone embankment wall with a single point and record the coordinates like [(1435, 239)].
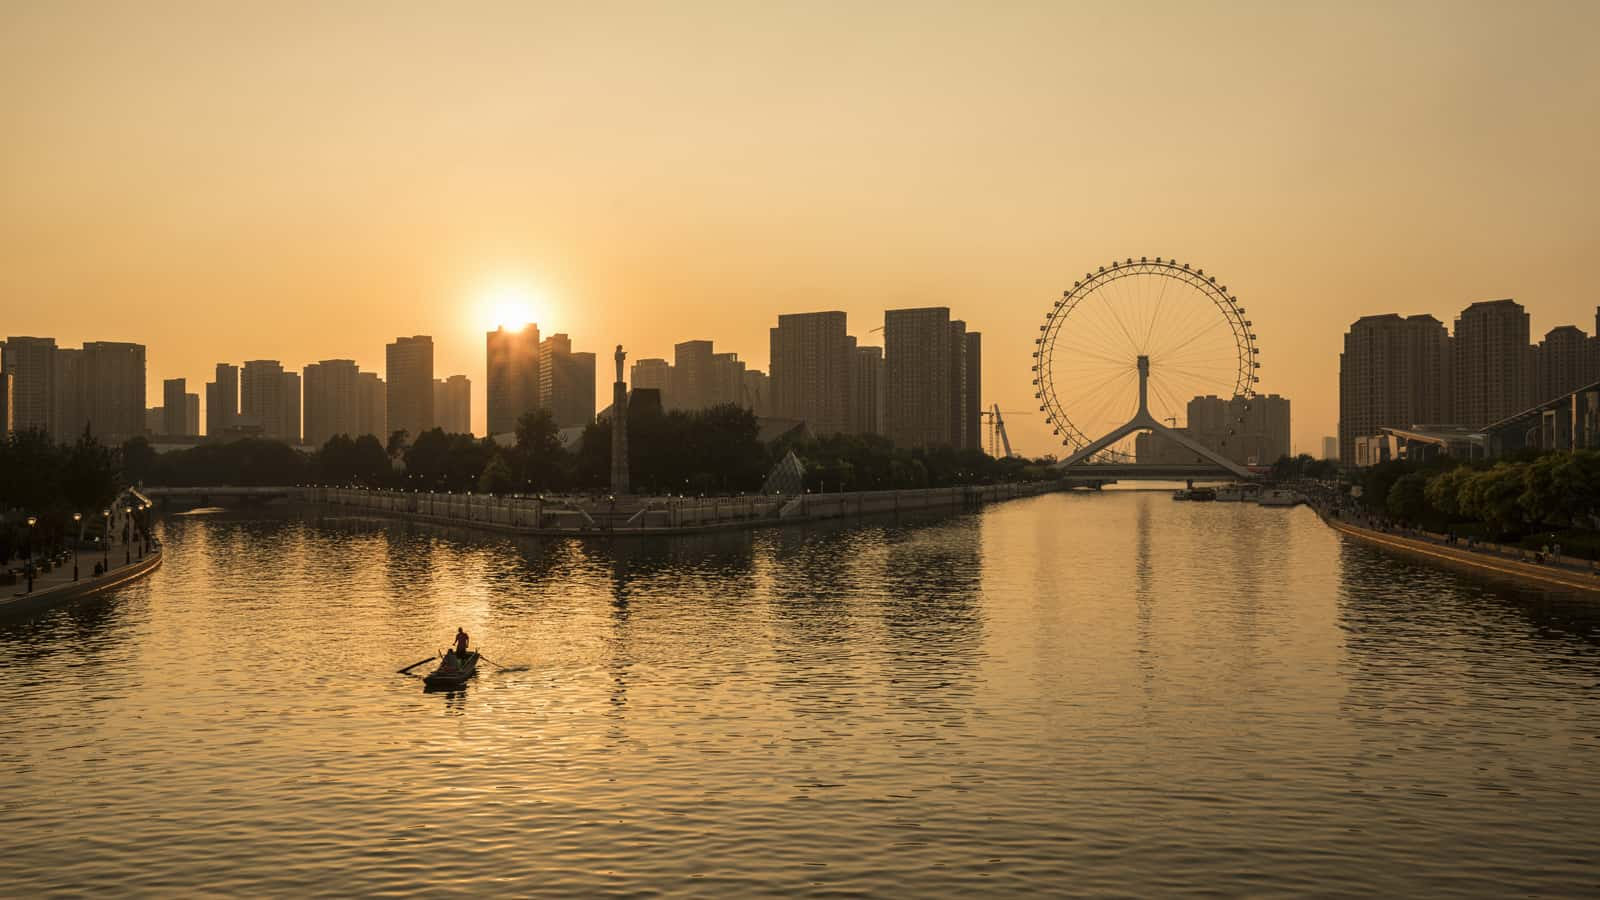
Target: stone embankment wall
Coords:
[(580, 515), (43, 598), (1482, 560)]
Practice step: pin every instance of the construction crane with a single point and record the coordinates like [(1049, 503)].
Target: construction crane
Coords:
[(995, 424)]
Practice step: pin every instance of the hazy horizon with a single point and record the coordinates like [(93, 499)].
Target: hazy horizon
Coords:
[(304, 184)]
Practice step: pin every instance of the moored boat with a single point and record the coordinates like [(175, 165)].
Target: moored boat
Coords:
[(452, 676), (1279, 497), (1202, 493)]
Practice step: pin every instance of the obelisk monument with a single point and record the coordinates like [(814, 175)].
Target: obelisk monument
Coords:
[(619, 430)]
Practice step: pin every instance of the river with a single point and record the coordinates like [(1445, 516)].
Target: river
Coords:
[(1071, 694)]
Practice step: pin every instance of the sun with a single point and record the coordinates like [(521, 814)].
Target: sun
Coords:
[(509, 305)]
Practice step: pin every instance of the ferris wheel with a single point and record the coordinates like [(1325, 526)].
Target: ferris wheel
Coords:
[(1136, 340)]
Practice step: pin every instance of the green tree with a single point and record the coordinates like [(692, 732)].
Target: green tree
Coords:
[(89, 480), (138, 459), (1304, 466), (370, 462), (542, 463), (1444, 491), (1580, 487), (592, 468), (1493, 496), (496, 477), (1407, 500), (30, 470), (1540, 498)]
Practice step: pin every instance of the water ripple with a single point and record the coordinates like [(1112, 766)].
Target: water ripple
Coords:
[(1105, 694)]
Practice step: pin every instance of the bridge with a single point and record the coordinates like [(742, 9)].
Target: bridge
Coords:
[(1218, 468), (1106, 473), (208, 494)]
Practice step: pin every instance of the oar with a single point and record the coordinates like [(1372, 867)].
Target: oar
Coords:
[(413, 665)]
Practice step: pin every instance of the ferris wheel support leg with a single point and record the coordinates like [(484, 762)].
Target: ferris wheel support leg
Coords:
[(1143, 421)]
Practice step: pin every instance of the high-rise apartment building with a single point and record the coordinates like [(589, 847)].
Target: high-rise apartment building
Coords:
[(1263, 429), (1494, 365), (191, 415), (261, 397), (214, 425), (972, 390), (866, 390), (513, 376), (222, 400), (699, 378), (757, 394), (1394, 372), (269, 398), (691, 376), (1250, 431), (917, 376), (30, 363), (566, 382), (291, 407), (372, 407), (932, 393), (69, 403), (174, 408), (63, 390), (1330, 448), (113, 374), (811, 370), (7, 422), (1207, 414), (332, 400), (958, 382), (452, 404), (1562, 362), (652, 374), (727, 380), (409, 373)]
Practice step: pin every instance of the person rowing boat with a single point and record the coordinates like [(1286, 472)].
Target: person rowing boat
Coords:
[(456, 667), (457, 655)]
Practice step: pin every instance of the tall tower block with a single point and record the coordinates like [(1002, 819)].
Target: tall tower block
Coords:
[(619, 429)]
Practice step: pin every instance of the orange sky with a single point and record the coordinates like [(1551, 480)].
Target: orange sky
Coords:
[(233, 181)]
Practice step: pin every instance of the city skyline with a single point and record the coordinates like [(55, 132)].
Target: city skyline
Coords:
[(710, 209), (778, 449), (1396, 371)]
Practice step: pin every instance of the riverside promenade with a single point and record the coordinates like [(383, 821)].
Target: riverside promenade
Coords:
[(1488, 559), (601, 516), (57, 586)]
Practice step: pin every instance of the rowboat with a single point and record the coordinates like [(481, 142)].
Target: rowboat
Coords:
[(452, 678)]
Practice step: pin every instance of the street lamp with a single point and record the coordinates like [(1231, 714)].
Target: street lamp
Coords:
[(127, 546), (105, 540), (32, 521), (76, 518)]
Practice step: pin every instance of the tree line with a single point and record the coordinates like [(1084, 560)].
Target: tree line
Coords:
[(49, 482), (709, 451), (1528, 497)]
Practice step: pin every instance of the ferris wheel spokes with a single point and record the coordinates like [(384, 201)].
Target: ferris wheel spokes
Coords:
[(1126, 346)]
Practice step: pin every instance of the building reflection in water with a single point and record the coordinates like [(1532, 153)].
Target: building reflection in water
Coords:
[(1145, 597), (932, 613)]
